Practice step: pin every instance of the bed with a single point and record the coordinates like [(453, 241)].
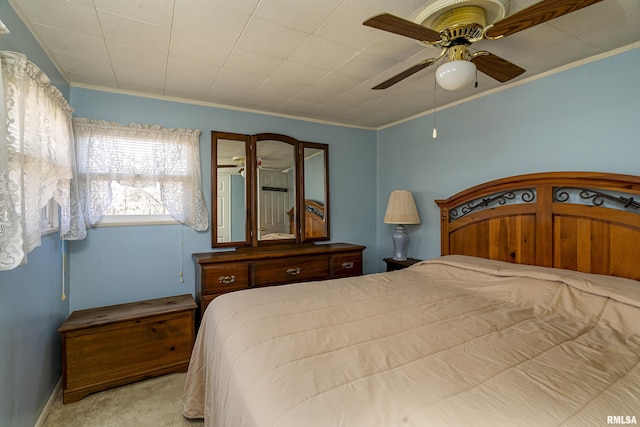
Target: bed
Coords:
[(278, 236), (530, 317), (314, 223)]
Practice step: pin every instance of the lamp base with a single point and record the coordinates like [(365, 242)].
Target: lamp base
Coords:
[(400, 240)]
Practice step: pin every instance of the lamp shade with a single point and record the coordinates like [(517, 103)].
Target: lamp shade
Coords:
[(401, 208), (454, 75)]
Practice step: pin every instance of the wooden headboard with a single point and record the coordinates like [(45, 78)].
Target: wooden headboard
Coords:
[(314, 220), (584, 221)]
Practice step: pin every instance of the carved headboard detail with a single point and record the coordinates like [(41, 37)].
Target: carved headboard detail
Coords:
[(584, 221), (314, 219)]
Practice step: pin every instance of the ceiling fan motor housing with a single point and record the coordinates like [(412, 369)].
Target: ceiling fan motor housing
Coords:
[(460, 26), (435, 14), (461, 17)]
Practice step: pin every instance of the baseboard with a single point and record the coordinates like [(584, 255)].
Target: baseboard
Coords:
[(47, 408)]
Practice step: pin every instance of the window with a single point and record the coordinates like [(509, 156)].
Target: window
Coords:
[(135, 205), (49, 218), (139, 174), (35, 157), (130, 192)]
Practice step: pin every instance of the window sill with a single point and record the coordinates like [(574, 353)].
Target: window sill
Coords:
[(48, 231), (135, 220)]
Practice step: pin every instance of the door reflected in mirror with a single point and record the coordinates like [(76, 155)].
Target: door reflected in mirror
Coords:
[(230, 183), (276, 190)]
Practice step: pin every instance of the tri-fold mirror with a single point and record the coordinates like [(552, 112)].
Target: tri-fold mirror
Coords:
[(268, 189)]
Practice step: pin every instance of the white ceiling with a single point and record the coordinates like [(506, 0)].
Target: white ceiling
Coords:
[(305, 58)]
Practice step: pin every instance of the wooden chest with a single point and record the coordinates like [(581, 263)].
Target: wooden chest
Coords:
[(115, 345)]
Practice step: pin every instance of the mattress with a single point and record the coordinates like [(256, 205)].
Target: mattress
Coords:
[(447, 342)]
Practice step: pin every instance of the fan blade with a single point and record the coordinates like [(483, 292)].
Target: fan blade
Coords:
[(397, 25), (406, 73), (228, 166), (539, 13), (496, 67)]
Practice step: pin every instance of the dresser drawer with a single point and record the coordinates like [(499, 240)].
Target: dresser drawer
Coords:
[(346, 265), (205, 301), (225, 277), (291, 270)]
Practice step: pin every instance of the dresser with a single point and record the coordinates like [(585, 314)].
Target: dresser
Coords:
[(109, 346), (220, 272)]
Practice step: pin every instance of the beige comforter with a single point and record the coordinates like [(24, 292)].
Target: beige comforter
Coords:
[(448, 342)]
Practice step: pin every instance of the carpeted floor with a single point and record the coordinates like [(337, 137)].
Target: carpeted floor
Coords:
[(156, 402)]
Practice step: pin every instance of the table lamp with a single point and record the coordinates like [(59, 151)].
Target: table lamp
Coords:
[(401, 210)]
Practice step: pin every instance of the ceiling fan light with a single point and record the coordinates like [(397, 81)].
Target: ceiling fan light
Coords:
[(454, 75)]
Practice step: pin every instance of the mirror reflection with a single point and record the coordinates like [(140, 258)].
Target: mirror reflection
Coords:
[(231, 191), (276, 190), (315, 221), (268, 188)]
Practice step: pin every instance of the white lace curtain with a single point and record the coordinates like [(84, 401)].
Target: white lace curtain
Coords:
[(35, 155), (136, 156)]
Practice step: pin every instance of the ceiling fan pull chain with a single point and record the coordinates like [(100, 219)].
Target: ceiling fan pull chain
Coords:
[(476, 84), (435, 107)]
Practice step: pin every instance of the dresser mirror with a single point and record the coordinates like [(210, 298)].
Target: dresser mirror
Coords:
[(276, 187), (230, 189), (316, 191), (261, 184)]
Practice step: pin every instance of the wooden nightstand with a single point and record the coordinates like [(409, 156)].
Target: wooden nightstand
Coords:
[(393, 265)]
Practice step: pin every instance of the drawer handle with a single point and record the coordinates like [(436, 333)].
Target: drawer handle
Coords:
[(348, 264), (293, 271), (227, 280)]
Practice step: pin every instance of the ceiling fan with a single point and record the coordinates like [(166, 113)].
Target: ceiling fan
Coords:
[(454, 25), (238, 162)]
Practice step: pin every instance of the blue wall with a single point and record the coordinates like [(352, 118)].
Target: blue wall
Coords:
[(31, 311), (586, 118), (30, 306), (122, 264), (582, 119)]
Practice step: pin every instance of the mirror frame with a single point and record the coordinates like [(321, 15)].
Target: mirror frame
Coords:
[(301, 207), (215, 136), (255, 140), (251, 234)]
